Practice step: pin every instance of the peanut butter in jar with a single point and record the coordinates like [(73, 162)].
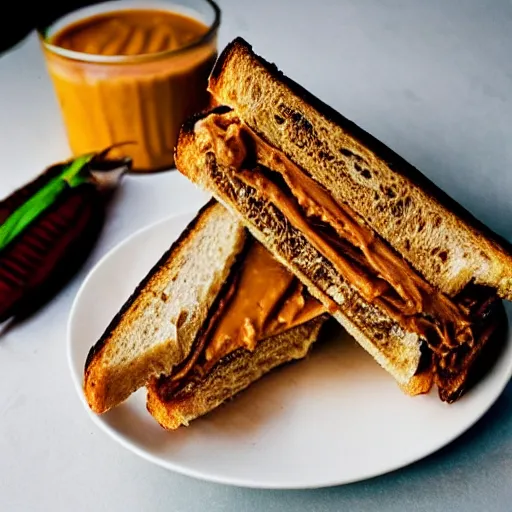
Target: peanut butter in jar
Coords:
[(132, 76)]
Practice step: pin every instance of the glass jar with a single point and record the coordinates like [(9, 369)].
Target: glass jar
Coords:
[(121, 81)]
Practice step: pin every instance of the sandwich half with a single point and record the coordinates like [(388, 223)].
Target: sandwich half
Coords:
[(215, 314), (405, 269)]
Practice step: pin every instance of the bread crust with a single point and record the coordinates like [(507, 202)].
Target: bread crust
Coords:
[(397, 351), (400, 352), (232, 374), (114, 368), (95, 351), (439, 238)]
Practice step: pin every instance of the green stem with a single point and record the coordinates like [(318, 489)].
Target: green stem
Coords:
[(71, 176)]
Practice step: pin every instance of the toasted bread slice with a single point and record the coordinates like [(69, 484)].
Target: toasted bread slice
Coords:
[(398, 351), (157, 326), (414, 362), (438, 237), (229, 376), (453, 252)]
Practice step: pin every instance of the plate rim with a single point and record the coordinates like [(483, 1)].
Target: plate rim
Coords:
[(233, 481)]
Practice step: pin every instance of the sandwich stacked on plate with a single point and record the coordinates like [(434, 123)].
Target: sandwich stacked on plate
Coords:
[(214, 314), (358, 231)]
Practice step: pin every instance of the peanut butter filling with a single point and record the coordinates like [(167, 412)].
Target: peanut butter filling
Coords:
[(377, 272), (268, 300), (263, 299)]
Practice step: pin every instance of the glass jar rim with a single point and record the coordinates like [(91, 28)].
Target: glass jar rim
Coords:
[(128, 59)]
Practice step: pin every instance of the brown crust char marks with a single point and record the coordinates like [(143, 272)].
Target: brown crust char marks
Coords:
[(293, 248), (96, 349), (248, 206), (200, 396), (395, 161), (422, 218), (155, 330), (450, 371), (166, 385)]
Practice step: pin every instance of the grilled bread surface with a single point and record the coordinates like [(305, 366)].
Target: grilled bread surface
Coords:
[(440, 240), (434, 233), (157, 326), (398, 351), (229, 376)]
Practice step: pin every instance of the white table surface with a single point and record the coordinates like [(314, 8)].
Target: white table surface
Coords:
[(432, 79)]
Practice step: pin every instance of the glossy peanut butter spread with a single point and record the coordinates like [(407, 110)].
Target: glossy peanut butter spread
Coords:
[(267, 300), (381, 276), (262, 299)]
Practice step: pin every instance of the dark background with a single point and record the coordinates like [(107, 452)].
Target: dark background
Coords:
[(20, 18)]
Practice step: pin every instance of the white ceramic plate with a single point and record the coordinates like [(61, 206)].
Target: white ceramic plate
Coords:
[(334, 418)]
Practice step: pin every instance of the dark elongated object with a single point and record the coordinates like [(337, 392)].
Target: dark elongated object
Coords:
[(48, 228)]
